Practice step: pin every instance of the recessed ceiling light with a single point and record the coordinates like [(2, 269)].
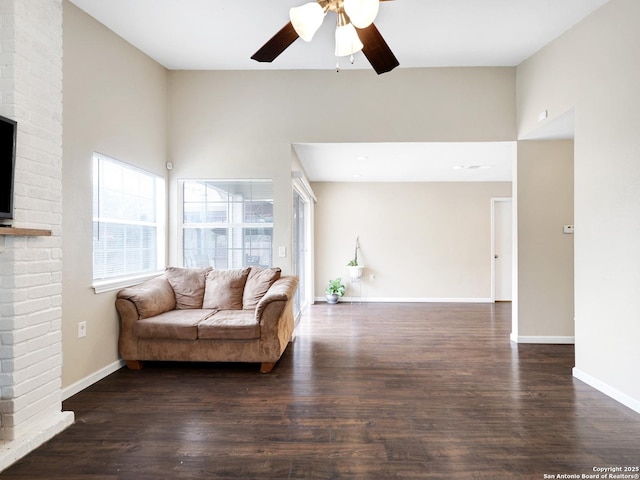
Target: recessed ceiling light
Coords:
[(472, 167), (361, 157)]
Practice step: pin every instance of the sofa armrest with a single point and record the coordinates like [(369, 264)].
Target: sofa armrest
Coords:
[(151, 298), (127, 341), (145, 300), (274, 313), (279, 293)]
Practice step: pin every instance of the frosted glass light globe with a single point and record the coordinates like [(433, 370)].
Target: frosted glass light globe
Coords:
[(347, 41), (306, 19), (362, 12)]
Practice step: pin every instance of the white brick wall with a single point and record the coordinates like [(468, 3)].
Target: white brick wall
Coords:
[(31, 267)]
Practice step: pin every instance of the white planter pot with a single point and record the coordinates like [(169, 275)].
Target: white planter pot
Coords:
[(355, 271), (332, 298)]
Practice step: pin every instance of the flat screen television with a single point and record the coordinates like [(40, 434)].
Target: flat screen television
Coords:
[(8, 133)]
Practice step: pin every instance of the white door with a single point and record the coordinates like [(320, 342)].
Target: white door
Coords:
[(502, 249)]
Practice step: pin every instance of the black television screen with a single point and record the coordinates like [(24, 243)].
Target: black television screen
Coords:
[(8, 130)]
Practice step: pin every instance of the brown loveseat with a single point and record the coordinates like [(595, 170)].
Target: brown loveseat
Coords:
[(207, 315)]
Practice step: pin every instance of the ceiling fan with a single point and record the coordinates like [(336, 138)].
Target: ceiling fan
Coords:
[(355, 32)]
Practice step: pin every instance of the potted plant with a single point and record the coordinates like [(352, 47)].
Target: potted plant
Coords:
[(334, 290), (355, 270)]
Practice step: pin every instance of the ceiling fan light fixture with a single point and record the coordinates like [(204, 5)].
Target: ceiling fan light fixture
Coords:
[(347, 40), (351, 37), (362, 12), (306, 19)]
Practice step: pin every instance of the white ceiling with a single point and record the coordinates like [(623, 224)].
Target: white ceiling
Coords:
[(400, 162), (223, 34)]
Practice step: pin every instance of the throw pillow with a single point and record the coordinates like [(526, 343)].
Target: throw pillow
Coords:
[(258, 282), (224, 288), (188, 285)]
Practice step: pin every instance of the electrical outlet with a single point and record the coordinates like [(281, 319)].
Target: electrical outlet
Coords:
[(82, 329)]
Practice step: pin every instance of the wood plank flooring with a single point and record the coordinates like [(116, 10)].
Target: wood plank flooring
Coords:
[(371, 391)]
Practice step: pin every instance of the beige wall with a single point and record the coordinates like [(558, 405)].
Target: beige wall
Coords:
[(594, 67), (115, 104), (544, 186), (269, 107), (228, 124), (422, 241)]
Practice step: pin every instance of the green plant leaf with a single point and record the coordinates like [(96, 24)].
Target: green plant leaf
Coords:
[(335, 287)]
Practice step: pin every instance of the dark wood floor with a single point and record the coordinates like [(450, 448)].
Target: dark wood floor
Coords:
[(372, 391)]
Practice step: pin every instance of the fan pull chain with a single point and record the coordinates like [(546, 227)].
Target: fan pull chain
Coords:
[(351, 59)]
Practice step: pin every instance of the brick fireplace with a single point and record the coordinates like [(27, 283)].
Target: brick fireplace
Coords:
[(31, 266)]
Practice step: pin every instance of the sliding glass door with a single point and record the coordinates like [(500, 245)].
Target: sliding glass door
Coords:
[(301, 256)]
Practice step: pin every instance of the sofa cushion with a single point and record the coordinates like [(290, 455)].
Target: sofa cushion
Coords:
[(174, 325), (258, 282), (224, 289), (188, 285), (229, 325), (151, 298)]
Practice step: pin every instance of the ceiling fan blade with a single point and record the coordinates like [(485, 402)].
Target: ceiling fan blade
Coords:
[(376, 50), (276, 44)]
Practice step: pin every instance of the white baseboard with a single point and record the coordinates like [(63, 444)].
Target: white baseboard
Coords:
[(13, 450), (543, 339), (623, 398), (407, 300), (80, 385)]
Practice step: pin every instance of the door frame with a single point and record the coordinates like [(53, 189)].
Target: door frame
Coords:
[(303, 189)]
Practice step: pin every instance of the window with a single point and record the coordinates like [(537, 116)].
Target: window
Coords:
[(227, 224), (128, 220)]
